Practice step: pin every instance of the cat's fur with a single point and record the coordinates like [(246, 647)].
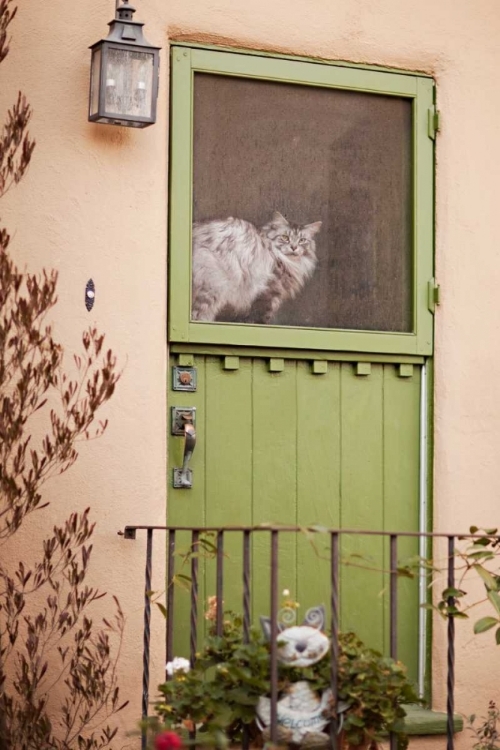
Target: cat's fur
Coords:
[(235, 264)]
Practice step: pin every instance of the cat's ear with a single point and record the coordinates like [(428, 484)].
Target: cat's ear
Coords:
[(312, 229), (265, 623), (315, 617), (279, 218)]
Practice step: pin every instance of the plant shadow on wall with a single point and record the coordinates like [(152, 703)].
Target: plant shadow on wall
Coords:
[(58, 684)]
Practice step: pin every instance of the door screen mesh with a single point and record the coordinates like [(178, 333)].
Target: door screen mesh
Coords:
[(315, 154)]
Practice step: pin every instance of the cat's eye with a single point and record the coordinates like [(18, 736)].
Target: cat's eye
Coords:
[(302, 241), (284, 238)]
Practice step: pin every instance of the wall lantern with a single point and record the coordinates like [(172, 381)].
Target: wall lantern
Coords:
[(124, 74)]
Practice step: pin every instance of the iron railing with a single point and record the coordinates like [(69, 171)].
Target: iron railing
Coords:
[(275, 533)]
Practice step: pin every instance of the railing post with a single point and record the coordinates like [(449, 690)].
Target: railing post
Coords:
[(274, 637), (246, 586), (334, 602), (170, 599), (219, 588), (193, 639), (147, 635), (246, 610), (393, 610), (450, 686)]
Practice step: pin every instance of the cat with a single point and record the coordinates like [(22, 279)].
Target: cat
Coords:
[(301, 645), (235, 264)]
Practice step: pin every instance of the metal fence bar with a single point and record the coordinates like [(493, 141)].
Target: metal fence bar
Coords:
[(193, 638), (170, 599), (246, 586), (246, 612), (274, 637), (334, 604), (450, 685), (146, 634), (219, 586), (393, 611)]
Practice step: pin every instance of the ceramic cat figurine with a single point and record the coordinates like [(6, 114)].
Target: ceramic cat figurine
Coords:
[(235, 264), (301, 645), (302, 714)]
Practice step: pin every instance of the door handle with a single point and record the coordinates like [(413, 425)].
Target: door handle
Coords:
[(183, 478)]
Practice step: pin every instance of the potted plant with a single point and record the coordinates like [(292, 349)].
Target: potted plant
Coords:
[(219, 696)]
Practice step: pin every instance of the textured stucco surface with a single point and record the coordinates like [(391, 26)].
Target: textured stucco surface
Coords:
[(94, 205)]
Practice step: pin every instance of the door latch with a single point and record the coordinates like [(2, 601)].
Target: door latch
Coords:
[(183, 423)]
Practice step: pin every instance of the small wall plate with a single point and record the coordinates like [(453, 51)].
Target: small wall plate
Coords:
[(184, 379)]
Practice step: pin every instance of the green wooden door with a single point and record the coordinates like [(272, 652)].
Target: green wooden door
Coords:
[(277, 443), (311, 416)]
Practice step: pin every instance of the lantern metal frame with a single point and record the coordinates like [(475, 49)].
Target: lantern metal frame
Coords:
[(125, 35)]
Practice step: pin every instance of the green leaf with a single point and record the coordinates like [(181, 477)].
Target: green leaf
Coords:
[(405, 572), (497, 637), (484, 624), (481, 555), (494, 598), (489, 581), (162, 609), (452, 591)]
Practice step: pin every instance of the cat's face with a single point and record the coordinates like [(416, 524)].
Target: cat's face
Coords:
[(301, 645), (292, 240)]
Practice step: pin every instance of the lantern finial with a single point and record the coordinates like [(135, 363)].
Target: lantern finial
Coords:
[(125, 11)]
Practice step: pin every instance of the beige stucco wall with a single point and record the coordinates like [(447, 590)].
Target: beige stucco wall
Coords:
[(94, 205)]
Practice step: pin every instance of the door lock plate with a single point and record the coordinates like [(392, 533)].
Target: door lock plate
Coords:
[(180, 415), (184, 378)]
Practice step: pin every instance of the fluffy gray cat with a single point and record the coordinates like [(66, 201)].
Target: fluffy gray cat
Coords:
[(235, 264)]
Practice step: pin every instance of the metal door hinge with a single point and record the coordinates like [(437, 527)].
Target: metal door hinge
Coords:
[(433, 295), (433, 122)]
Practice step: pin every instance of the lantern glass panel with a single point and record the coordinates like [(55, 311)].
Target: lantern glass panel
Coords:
[(129, 83), (95, 81)]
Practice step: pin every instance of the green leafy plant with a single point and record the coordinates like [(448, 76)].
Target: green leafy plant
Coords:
[(487, 733), (479, 558), (218, 696)]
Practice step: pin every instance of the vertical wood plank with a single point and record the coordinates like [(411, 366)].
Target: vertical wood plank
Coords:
[(318, 478), (362, 506), (228, 467), (401, 482), (274, 475), (186, 507)]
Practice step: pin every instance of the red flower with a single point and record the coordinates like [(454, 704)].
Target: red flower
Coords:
[(168, 741)]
